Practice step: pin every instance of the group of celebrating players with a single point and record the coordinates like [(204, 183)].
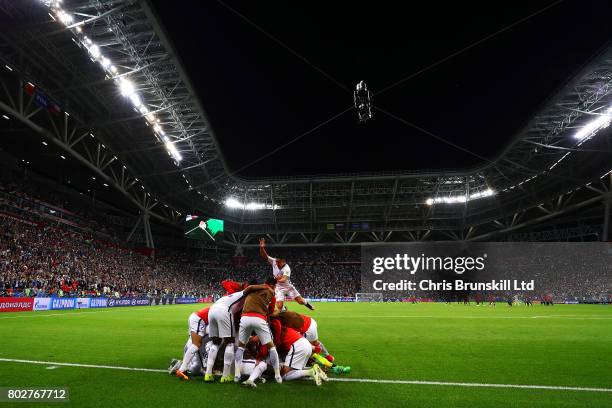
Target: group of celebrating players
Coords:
[(243, 336)]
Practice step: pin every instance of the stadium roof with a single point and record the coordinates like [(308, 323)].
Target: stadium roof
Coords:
[(471, 73), (131, 118)]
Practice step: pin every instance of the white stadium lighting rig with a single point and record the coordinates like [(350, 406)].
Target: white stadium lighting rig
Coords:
[(460, 198), (232, 203), (583, 134), (126, 87), (602, 121)]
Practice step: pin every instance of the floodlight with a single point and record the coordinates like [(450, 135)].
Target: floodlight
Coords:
[(126, 87), (460, 198), (94, 50), (172, 150), (233, 203), (65, 18), (135, 100), (105, 62), (600, 122)]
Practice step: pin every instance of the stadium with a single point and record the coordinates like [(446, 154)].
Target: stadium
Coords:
[(348, 204)]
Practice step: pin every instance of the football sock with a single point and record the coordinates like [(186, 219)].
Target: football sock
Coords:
[(189, 354), (258, 370), (197, 364), (274, 360), (212, 356), (228, 359), (238, 359), (198, 361)]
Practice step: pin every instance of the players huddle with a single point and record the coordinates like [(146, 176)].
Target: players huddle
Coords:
[(255, 339)]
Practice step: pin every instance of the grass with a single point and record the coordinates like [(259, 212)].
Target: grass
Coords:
[(563, 345)]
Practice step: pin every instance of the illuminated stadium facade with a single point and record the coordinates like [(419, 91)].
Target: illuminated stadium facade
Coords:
[(158, 151)]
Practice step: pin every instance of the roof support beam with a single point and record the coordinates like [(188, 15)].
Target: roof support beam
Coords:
[(68, 149), (546, 217)]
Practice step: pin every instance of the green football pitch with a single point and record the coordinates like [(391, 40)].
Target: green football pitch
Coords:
[(402, 355)]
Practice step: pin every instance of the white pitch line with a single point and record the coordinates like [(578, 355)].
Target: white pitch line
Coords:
[(461, 384), (357, 380), (11, 360), (462, 317)]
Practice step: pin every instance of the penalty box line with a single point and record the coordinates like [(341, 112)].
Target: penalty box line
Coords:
[(356, 380)]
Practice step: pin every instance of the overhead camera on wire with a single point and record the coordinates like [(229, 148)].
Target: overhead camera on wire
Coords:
[(363, 102)]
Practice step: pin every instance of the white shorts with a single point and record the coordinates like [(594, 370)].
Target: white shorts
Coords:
[(312, 333), (247, 367), (249, 324), (197, 325), (298, 355), (282, 292), (220, 322)]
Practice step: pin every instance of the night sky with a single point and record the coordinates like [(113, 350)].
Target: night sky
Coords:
[(258, 95)]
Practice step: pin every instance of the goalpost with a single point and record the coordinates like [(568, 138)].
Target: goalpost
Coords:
[(368, 297)]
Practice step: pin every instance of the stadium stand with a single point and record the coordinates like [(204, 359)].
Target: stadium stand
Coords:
[(53, 245), (39, 258)]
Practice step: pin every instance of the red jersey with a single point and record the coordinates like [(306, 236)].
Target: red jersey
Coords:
[(284, 336), (262, 352), (203, 314), (231, 286), (272, 306), (306, 325)]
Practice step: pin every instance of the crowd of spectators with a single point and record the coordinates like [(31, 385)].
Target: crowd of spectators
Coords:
[(52, 203), (37, 259), (50, 260), (580, 278), (41, 256), (317, 277)]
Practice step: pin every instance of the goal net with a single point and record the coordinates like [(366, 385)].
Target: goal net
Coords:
[(368, 297)]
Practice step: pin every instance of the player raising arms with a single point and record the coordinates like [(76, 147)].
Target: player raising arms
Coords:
[(282, 272)]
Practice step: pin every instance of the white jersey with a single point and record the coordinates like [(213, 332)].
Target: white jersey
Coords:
[(278, 272), (230, 300)]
